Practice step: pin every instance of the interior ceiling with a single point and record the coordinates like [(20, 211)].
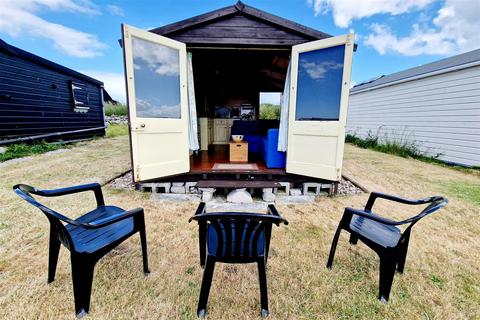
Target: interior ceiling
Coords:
[(234, 70)]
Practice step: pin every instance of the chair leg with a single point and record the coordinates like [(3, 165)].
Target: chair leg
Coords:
[(387, 272), (82, 276), (353, 239), (333, 248), (205, 289), (53, 250), (143, 240), (403, 256), (262, 276)]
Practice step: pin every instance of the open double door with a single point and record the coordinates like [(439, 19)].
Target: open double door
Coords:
[(156, 78)]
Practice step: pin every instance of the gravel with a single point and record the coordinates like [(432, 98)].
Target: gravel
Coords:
[(123, 182), (346, 187), (113, 119)]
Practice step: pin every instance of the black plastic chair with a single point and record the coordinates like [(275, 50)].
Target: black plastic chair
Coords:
[(88, 238), (382, 235), (234, 237)]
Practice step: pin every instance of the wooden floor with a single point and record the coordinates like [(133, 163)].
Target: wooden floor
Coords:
[(204, 161)]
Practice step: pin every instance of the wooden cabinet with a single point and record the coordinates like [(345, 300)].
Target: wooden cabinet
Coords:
[(221, 130)]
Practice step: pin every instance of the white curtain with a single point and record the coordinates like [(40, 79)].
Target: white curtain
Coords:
[(283, 129), (192, 107)]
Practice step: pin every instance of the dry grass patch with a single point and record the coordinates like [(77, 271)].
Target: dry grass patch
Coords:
[(440, 281)]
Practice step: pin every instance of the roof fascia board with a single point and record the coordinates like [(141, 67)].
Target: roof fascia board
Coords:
[(420, 76)]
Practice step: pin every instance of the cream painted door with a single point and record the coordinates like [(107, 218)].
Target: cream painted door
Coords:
[(156, 74), (320, 82)]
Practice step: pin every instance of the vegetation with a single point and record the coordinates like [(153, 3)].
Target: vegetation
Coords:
[(269, 111), (440, 280), (466, 191), (401, 147), (23, 150), (116, 129), (115, 109)]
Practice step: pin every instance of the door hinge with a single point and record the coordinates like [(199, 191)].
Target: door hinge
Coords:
[(137, 173)]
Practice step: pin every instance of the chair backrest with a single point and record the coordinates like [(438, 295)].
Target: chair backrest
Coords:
[(25, 192), (238, 236)]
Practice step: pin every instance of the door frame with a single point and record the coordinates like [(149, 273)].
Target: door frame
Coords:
[(348, 41)]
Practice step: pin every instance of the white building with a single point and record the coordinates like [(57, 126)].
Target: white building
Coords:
[(436, 106)]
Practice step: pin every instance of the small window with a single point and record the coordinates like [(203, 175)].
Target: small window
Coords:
[(270, 105), (319, 87), (79, 96), (157, 80)]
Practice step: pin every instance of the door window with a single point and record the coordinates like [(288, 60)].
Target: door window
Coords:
[(157, 80), (319, 84)]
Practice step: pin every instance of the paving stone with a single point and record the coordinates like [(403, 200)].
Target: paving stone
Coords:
[(239, 196), (175, 197), (295, 192), (281, 199)]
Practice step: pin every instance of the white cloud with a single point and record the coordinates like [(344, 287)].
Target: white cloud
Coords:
[(114, 83), (160, 59), (455, 29), (115, 10), (316, 70), (344, 11), (19, 18)]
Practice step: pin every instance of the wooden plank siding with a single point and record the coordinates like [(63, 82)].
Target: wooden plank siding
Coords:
[(240, 30), (36, 99), (440, 114)]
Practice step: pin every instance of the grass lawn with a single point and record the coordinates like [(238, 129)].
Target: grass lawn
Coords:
[(441, 279)]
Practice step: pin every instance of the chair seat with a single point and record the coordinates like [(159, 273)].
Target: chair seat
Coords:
[(91, 240), (385, 235), (245, 249)]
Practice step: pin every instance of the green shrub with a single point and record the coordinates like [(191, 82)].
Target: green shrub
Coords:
[(23, 150), (116, 129), (269, 111), (115, 109)]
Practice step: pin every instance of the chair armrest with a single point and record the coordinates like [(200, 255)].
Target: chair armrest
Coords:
[(95, 187), (99, 223), (375, 195), (273, 211), (369, 215)]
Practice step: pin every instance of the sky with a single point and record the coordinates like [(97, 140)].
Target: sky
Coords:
[(392, 35)]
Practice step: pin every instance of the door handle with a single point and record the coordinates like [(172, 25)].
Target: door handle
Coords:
[(139, 127)]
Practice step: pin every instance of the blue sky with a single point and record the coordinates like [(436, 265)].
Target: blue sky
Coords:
[(391, 35)]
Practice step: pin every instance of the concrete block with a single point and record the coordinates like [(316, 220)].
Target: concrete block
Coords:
[(311, 187), (163, 187), (178, 184), (295, 192), (268, 196), (190, 187), (207, 193), (285, 186), (239, 196), (177, 189)]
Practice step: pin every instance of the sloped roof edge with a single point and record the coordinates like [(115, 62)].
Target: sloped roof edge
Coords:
[(464, 59), (14, 51), (242, 8)]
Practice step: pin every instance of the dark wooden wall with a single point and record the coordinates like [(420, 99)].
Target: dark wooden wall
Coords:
[(239, 30), (35, 100)]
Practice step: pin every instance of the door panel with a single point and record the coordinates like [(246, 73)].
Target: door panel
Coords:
[(156, 72), (320, 82)]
